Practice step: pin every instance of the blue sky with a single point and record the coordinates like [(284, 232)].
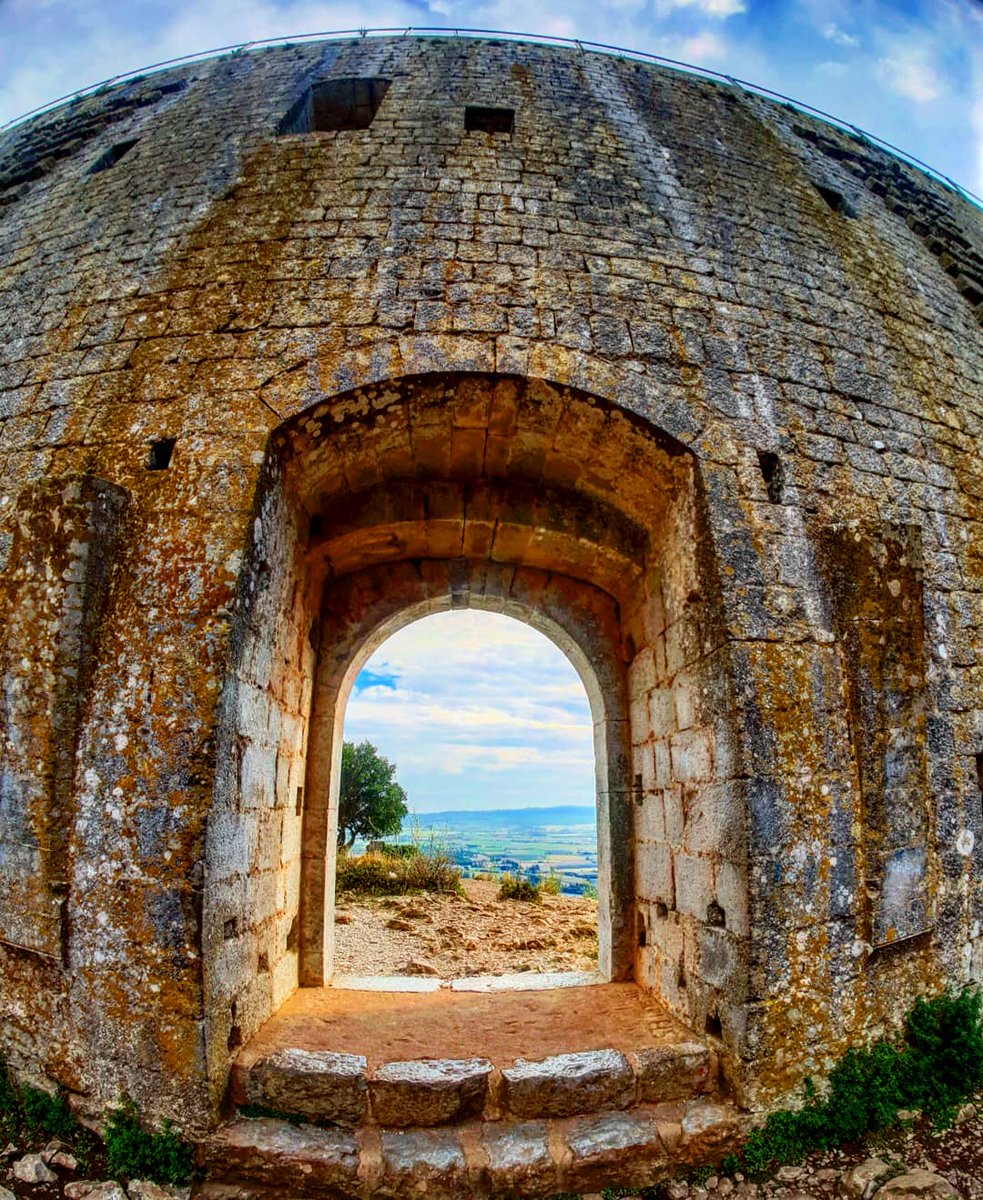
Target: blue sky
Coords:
[(910, 71), (477, 710)]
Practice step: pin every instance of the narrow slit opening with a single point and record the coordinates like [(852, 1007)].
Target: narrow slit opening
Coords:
[(161, 453)]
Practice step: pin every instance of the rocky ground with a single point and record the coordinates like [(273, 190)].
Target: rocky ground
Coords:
[(54, 1172), (454, 936), (913, 1160)]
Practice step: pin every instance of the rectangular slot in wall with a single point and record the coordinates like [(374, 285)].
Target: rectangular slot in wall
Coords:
[(112, 156), (478, 119), (335, 105)]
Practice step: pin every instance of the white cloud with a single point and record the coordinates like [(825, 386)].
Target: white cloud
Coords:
[(720, 9), (910, 74), (832, 70), (833, 33), (703, 48)]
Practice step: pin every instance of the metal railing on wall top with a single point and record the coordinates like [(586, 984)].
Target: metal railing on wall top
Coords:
[(582, 44)]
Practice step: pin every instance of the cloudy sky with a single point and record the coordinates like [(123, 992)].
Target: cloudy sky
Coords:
[(910, 71), (478, 711)]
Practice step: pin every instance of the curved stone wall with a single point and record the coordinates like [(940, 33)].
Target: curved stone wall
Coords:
[(191, 284)]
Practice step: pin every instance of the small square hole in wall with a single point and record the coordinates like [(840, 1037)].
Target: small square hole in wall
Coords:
[(299, 807), (161, 453), (835, 200), (488, 120), (112, 156), (335, 105)]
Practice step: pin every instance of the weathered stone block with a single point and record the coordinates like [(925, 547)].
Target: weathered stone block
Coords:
[(566, 1084), (314, 1083), (671, 1072), (917, 1185), (519, 1158), (419, 1163), (429, 1092), (613, 1150), (292, 1157)]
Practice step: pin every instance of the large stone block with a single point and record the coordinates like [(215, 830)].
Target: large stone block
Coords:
[(314, 1083), (566, 1084), (613, 1150), (671, 1072), (421, 1163), (296, 1158), (519, 1159), (429, 1092)]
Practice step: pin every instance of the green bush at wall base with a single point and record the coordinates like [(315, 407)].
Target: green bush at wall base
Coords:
[(935, 1067), (30, 1117), (133, 1153)]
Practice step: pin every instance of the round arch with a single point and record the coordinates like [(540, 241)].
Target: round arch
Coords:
[(360, 612)]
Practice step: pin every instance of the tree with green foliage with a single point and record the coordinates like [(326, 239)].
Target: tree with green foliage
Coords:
[(371, 803)]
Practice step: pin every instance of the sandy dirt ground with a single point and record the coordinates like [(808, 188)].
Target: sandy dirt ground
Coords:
[(454, 936)]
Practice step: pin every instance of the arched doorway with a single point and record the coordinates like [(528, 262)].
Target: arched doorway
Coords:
[(519, 496)]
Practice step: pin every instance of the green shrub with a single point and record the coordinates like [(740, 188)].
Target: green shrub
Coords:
[(515, 887), (386, 875), (31, 1117), (589, 891), (133, 1153), (936, 1066), (552, 885)]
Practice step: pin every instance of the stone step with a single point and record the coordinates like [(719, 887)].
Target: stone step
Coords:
[(324, 1086), (259, 1157)]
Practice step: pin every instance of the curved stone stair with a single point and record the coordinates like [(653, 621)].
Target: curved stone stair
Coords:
[(454, 1128)]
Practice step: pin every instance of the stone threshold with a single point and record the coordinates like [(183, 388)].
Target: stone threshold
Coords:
[(265, 1158), (520, 981)]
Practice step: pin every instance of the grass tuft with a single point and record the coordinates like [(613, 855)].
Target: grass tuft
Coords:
[(134, 1153)]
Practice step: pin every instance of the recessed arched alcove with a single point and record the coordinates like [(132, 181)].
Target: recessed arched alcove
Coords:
[(513, 495)]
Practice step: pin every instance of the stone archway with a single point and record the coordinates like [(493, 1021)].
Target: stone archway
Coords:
[(361, 611), (446, 490)]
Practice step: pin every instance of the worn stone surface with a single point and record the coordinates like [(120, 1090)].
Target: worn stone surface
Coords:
[(917, 1183), (315, 1083), (107, 1190), (429, 1092), (33, 1169), (423, 1163), (565, 1084), (685, 378), (288, 1156), (519, 1158), (144, 1189), (671, 1072), (614, 1150), (861, 1181)]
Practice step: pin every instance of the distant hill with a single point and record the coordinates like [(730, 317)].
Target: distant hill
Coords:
[(561, 815)]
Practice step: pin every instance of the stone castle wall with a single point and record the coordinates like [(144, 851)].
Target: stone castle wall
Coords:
[(713, 370)]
